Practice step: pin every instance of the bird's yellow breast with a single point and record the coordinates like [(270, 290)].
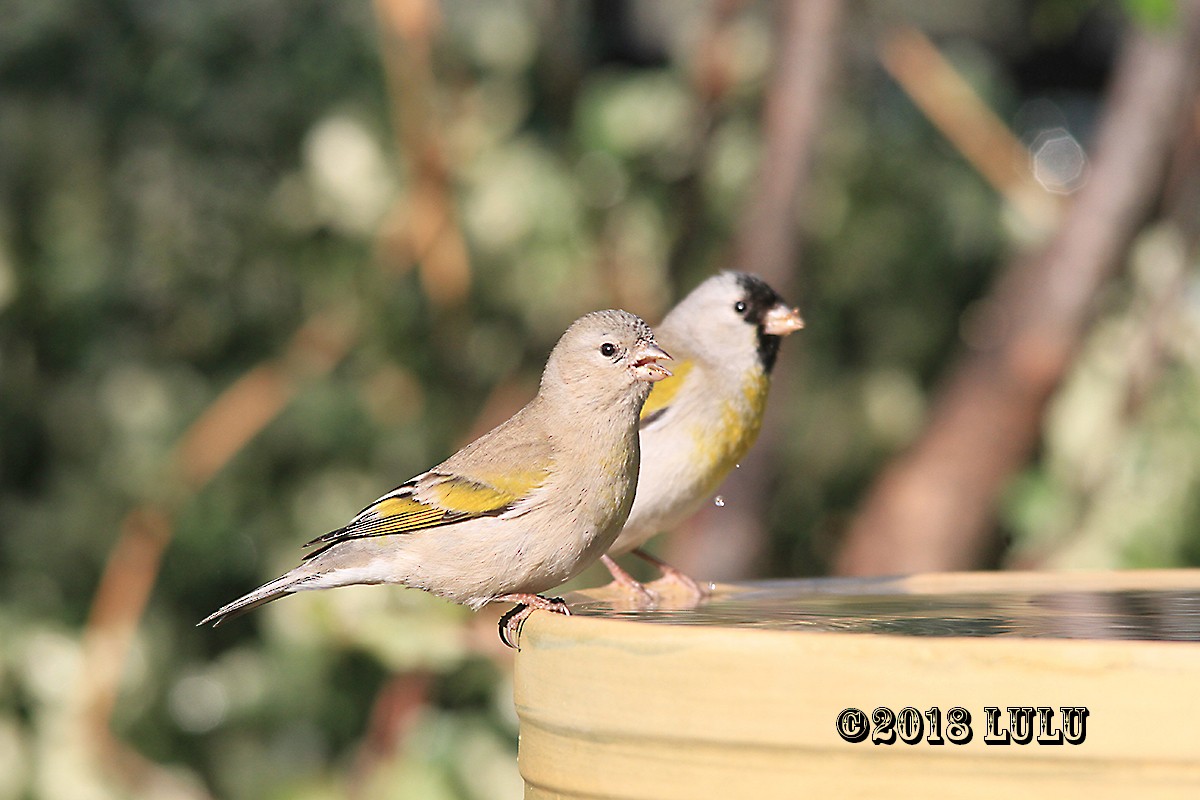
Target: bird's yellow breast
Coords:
[(724, 444)]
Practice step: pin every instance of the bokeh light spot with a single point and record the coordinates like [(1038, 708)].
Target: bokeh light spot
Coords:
[(1059, 163)]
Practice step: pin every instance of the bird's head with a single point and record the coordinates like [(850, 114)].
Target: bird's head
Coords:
[(604, 356), (731, 315)]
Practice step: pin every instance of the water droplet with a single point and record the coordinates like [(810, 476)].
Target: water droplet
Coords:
[(719, 501)]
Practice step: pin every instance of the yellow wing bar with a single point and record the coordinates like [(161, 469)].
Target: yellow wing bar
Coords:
[(450, 499)]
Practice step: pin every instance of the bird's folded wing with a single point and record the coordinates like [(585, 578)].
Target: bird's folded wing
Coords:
[(663, 394), (434, 499)]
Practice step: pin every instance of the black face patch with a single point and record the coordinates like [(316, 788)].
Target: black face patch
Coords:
[(759, 299)]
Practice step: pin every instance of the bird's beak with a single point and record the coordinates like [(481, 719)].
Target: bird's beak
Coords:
[(781, 320), (645, 357)]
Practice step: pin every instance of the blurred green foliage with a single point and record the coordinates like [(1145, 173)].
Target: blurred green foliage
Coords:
[(183, 185)]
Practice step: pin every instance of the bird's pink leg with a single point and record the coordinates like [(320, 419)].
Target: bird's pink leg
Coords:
[(628, 583), (671, 575)]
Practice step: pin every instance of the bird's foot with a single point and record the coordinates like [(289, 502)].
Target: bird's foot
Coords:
[(624, 582), (675, 582), (512, 620)]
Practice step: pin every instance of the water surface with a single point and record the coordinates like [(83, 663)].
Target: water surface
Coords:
[(883, 605)]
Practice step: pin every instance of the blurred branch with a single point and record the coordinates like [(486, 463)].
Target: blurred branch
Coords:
[(397, 707), (1165, 300), (1157, 313), (932, 508), (257, 398), (711, 78), (958, 112), (727, 543), (251, 402), (233, 419), (1183, 178), (1154, 318), (116, 609), (808, 41), (432, 237)]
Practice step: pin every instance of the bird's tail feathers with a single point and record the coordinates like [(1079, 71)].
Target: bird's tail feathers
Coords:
[(274, 590)]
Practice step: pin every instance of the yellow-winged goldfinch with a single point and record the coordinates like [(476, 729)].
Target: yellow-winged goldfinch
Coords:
[(698, 424), (521, 509)]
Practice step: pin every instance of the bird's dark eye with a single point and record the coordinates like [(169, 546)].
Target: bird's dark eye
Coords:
[(740, 306), (608, 349)]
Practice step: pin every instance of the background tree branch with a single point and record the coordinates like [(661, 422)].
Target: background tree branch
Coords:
[(933, 507), (727, 543)]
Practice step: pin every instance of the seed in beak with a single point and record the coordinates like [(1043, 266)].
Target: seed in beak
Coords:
[(782, 321)]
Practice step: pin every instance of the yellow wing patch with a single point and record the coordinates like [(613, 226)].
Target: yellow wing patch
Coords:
[(449, 499), (468, 497), (516, 483), (484, 495), (663, 392)]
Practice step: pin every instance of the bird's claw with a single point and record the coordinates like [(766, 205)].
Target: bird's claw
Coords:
[(510, 624), (511, 621)]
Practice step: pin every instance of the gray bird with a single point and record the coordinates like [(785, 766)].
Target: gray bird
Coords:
[(518, 511)]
